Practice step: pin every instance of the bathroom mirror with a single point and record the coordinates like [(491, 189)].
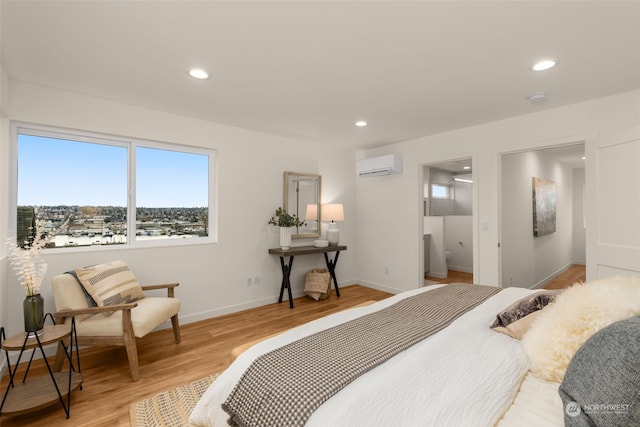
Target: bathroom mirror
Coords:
[(302, 198)]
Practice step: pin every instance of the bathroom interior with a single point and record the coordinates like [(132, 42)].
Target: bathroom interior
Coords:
[(448, 213)]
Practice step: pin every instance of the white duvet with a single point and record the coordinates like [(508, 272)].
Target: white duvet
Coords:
[(465, 375)]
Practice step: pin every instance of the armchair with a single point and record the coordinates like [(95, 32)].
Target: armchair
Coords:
[(119, 324)]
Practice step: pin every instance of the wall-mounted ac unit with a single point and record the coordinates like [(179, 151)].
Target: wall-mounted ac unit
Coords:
[(382, 165)]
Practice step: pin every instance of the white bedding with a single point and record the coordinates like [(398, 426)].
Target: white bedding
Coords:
[(465, 375), (537, 404)]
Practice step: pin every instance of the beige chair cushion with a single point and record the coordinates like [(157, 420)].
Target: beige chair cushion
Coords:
[(149, 314), (68, 294), (111, 283)]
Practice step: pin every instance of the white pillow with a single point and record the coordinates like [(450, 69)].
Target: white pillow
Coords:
[(577, 314)]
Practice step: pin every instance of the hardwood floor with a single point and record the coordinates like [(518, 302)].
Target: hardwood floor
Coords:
[(575, 273), (453, 276), (205, 348)]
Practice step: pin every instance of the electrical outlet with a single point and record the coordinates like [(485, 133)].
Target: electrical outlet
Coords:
[(256, 280), (249, 281), (386, 270)]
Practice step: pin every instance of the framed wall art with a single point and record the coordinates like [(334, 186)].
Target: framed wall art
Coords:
[(544, 206)]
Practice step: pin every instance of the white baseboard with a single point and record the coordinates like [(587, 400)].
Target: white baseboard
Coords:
[(437, 275), (461, 269), (544, 281), (203, 315), (380, 287)]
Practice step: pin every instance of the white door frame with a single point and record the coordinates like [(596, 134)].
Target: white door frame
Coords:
[(534, 146), (474, 208)]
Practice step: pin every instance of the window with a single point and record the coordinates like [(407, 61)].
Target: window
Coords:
[(439, 191), (97, 190)]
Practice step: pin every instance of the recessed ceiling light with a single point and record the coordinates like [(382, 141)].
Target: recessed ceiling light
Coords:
[(466, 167), (198, 73), (361, 123), (583, 157), (543, 65)]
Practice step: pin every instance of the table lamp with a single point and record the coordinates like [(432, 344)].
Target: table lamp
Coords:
[(332, 212)]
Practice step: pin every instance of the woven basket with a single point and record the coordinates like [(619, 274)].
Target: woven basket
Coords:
[(318, 284)]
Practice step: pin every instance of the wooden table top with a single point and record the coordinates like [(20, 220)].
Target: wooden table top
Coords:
[(305, 250), (50, 334)]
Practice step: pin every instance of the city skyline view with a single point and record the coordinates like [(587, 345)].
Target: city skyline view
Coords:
[(108, 225), (79, 186)]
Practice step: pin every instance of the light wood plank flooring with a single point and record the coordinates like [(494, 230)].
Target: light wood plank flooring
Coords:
[(453, 276), (205, 348), (573, 274)]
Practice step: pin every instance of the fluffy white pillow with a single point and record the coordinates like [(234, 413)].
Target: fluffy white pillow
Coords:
[(577, 314)]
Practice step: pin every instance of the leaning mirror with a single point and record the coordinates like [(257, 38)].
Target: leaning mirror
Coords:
[(302, 198)]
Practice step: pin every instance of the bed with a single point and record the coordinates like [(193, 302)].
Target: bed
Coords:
[(465, 374)]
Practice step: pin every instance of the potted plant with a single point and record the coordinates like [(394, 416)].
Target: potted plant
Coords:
[(30, 269), (285, 221)]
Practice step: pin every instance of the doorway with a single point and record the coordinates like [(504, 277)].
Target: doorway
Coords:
[(530, 258), (447, 215)]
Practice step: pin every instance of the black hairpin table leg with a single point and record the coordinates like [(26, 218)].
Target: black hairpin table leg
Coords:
[(331, 266), (286, 279)]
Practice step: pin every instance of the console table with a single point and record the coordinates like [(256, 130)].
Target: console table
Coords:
[(305, 250)]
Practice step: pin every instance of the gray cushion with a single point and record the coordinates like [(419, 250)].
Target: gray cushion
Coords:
[(602, 384), (525, 306)]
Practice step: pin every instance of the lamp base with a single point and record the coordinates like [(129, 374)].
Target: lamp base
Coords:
[(333, 234)]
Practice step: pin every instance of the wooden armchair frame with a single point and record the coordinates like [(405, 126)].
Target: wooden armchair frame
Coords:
[(128, 339)]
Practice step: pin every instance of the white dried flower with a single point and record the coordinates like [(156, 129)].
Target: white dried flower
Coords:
[(26, 262)]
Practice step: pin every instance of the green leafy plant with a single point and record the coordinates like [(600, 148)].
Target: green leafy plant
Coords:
[(285, 219)]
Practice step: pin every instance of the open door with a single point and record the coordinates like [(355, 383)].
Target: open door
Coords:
[(613, 205)]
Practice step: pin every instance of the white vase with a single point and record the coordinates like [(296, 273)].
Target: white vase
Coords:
[(285, 238)]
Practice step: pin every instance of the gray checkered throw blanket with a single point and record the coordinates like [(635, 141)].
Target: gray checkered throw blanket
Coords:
[(283, 387)]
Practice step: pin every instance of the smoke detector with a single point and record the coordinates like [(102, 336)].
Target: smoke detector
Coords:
[(538, 97)]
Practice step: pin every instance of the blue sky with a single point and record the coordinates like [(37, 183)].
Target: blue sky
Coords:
[(60, 172)]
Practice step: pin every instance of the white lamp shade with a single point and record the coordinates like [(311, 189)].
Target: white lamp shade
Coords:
[(332, 212)]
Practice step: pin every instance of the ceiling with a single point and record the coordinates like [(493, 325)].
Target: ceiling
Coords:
[(572, 155), (310, 69)]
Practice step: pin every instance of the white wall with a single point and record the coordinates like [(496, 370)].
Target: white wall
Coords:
[(458, 238), (434, 226), (4, 188), (399, 244), (439, 206), (250, 173), (528, 261)]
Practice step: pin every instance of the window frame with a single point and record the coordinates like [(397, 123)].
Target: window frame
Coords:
[(131, 145), (445, 186)]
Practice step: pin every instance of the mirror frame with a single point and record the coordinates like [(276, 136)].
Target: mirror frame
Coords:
[(287, 203)]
